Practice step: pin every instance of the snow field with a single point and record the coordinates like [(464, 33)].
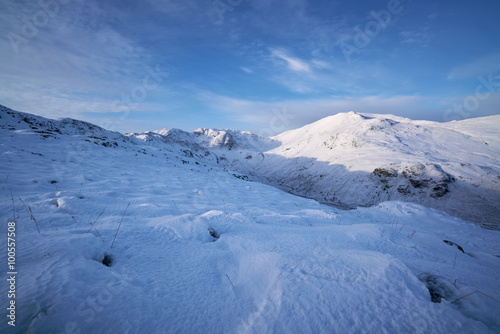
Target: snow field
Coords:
[(281, 264)]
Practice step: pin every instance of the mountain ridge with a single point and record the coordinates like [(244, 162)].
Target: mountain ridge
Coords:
[(348, 159)]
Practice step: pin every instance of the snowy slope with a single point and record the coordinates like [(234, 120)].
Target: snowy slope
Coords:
[(200, 250), (52, 129), (353, 159), (347, 160)]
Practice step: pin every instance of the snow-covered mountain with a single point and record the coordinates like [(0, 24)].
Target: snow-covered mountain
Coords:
[(47, 128), (208, 145), (347, 160), (353, 159), (361, 160), (150, 235)]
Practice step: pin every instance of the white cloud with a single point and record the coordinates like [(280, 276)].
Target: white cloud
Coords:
[(247, 70), (295, 64), (321, 64)]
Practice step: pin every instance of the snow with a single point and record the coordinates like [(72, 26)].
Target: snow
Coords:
[(281, 263), (353, 159)]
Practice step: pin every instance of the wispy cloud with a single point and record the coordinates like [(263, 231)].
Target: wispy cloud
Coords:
[(321, 64), (247, 70), (73, 65), (293, 63), (420, 37)]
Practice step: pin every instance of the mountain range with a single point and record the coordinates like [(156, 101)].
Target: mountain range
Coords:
[(346, 160)]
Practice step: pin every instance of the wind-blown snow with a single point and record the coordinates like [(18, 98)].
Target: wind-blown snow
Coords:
[(277, 263)]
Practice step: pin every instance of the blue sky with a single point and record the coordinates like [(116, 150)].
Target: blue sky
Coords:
[(262, 65)]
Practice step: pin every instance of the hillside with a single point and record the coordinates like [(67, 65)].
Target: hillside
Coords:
[(352, 160), (142, 236), (347, 160)]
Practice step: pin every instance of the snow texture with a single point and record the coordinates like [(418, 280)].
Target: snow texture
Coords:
[(202, 249)]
